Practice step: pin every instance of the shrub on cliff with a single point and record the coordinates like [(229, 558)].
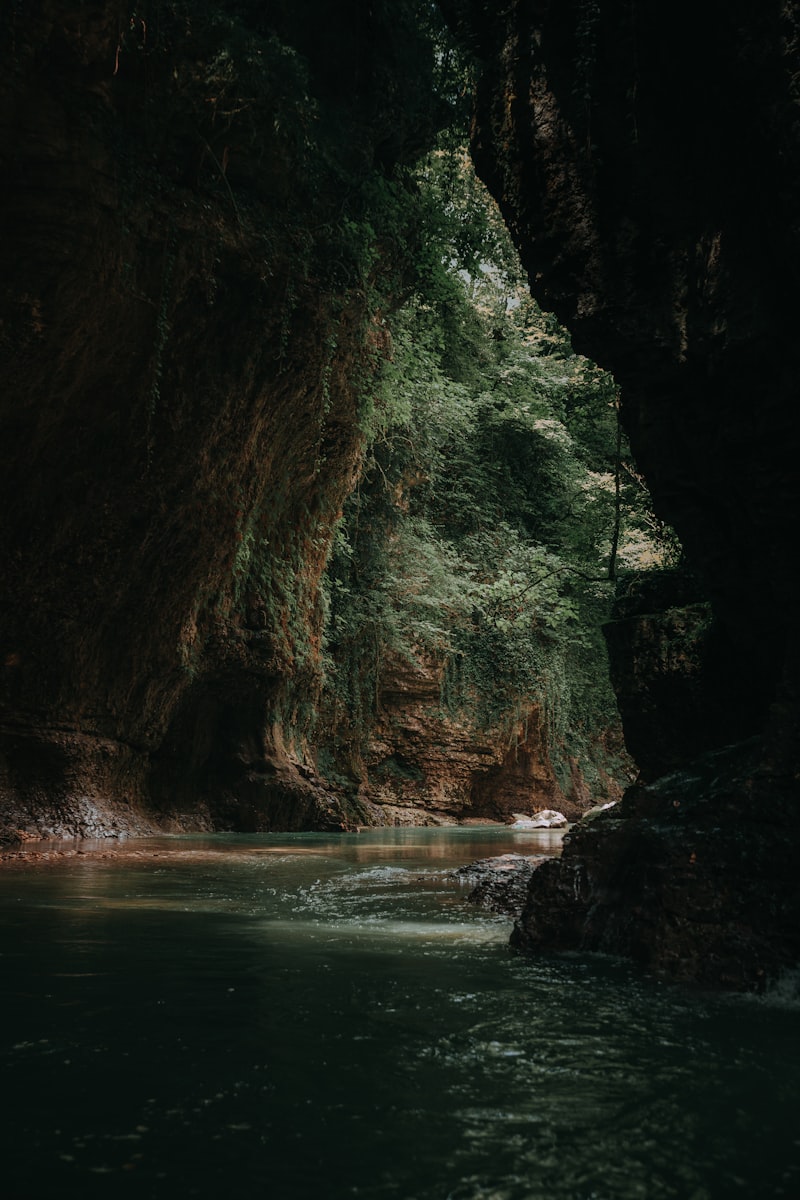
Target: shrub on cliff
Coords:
[(494, 502)]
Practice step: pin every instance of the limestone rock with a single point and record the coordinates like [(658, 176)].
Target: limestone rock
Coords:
[(178, 338), (546, 818), (422, 757)]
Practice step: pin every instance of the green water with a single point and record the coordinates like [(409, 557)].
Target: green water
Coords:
[(295, 1016)]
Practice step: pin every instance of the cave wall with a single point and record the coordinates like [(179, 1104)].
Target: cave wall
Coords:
[(187, 333)]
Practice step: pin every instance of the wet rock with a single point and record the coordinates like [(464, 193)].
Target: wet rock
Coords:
[(669, 263), (422, 757), (686, 876), (591, 813), (500, 883), (12, 838)]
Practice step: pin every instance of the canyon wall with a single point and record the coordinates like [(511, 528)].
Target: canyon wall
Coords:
[(425, 764), (646, 158), (188, 334), (206, 228)]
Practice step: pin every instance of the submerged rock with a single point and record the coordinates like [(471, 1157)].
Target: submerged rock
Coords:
[(501, 883)]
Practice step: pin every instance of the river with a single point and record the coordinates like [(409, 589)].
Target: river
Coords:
[(312, 1015)]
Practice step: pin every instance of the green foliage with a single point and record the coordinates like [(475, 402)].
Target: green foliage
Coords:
[(482, 526), (480, 532), (303, 168)]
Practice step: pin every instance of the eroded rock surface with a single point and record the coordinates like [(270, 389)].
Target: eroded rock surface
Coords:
[(673, 672), (185, 340), (694, 876), (651, 181), (421, 758), (501, 883)]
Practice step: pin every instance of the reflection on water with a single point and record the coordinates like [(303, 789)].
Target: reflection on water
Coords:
[(303, 1016)]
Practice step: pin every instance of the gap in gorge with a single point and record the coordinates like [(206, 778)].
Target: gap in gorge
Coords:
[(477, 559)]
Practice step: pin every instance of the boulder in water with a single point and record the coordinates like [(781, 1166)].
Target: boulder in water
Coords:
[(501, 883), (546, 818)]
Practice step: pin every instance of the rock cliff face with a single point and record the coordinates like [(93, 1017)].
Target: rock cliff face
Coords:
[(648, 164), (649, 170), (673, 672), (693, 876), (186, 339), (424, 764)]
